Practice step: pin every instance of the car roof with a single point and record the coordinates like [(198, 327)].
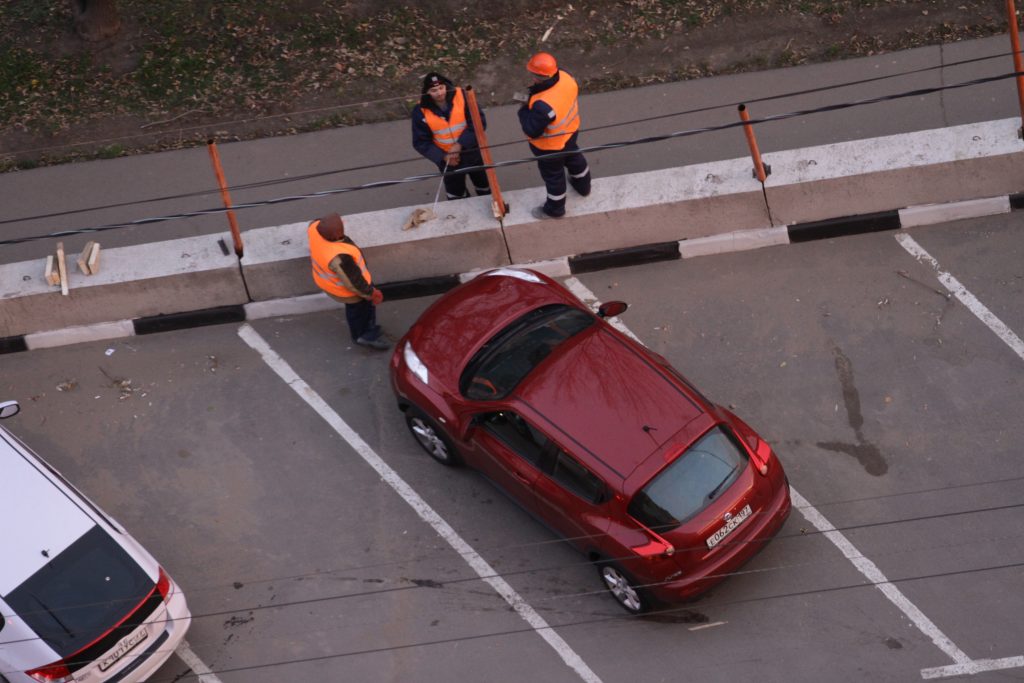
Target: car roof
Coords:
[(36, 516), (613, 405), (450, 331)]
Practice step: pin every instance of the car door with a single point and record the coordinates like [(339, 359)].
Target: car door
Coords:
[(509, 452), (572, 499)]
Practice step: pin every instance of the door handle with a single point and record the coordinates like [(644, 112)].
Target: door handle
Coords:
[(521, 477)]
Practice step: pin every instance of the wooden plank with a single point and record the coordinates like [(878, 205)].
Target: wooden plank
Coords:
[(50, 274), (83, 258), (62, 266), (94, 258)]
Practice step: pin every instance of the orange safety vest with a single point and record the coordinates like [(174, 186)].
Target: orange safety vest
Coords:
[(446, 133), (322, 252), (562, 98)]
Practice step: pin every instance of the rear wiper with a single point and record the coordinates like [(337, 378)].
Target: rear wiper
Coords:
[(715, 490)]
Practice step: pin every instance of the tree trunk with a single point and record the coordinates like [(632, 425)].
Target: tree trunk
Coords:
[(96, 20)]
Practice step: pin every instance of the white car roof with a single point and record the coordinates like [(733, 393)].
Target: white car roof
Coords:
[(36, 515)]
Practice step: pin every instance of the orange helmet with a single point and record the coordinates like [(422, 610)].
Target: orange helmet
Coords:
[(542, 64)]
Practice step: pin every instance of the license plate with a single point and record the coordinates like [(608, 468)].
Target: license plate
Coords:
[(716, 538), (122, 648)]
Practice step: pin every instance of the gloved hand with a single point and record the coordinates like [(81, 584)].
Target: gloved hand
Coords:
[(376, 297)]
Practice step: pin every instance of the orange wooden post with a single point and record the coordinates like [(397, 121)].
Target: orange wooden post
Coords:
[(1018, 63), (761, 170), (497, 203), (211, 144)]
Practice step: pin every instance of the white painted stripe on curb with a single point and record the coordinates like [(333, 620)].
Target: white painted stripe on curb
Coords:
[(484, 570), (966, 298), (79, 334), (742, 240), (556, 267), (930, 214), (974, 667), (299, 305), (193, 662), (863, 564)]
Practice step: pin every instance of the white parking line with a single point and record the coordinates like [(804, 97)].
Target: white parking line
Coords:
[(1014, 342), (966, 298), (420, 506), (193, 662), (866, 567)]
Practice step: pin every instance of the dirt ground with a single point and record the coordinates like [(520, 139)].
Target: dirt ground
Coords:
[(373, 74)]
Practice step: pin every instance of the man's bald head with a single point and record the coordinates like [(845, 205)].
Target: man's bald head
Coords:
[(331, 227)]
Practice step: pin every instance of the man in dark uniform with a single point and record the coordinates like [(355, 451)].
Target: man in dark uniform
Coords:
[(551, 120), (442, 131)]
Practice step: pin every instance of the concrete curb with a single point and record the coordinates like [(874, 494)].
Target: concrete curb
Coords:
[(916, 216)]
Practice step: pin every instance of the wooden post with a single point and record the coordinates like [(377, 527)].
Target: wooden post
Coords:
[(1018, 63), (219, 172), (761, 170), (497, 203), (62, 268)]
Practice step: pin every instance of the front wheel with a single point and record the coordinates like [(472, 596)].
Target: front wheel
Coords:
[(430, 437), (631, 597)]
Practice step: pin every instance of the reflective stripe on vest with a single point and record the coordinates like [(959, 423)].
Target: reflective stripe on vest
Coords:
[(322, 252), (446, 133), (562, 98)]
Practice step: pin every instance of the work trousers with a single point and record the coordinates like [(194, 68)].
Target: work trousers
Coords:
[(455, 185), (553, 170), (362, 320)]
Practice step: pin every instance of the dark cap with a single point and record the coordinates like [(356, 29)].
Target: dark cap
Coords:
[(431, 79)]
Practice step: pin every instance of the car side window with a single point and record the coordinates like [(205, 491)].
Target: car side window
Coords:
[(576, 478), (517, 435)]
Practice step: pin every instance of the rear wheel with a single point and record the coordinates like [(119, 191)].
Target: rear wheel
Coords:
[(430, 437), (631, 597)]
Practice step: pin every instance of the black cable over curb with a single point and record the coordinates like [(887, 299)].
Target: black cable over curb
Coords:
[(180, 321), (629, 256), (1017, 201)]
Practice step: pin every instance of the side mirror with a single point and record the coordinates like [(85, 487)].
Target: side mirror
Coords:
[(9, 409), (610, 309)]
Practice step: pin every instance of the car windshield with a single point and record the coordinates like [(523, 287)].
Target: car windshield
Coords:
[(81, 593), (690, 483), (496, 369)]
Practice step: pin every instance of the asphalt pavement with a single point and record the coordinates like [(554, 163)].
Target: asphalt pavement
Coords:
[(87, 194)]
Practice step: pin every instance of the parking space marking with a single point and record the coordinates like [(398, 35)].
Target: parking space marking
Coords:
[(193, 662), (963, 663), (966, 298), (479, 565)]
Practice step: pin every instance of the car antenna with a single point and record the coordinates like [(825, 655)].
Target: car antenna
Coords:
[(648, 429)]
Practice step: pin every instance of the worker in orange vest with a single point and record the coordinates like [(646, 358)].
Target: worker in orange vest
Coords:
[(551, 121), (442, 131), (340, 270)]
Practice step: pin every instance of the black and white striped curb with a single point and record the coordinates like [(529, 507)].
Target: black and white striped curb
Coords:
[(570, 265)]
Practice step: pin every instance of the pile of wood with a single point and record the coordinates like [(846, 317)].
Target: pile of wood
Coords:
[(57, 269)]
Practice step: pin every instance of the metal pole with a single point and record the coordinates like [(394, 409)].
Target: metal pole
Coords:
[(761, 170), (211, 144), (497, 203), (1018, 63)]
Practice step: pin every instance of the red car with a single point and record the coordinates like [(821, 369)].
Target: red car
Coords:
[(596, 435)]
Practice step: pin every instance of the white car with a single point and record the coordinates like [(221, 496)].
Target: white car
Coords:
[(80, 599)]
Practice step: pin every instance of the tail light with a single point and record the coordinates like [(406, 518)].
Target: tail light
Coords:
[(163, 585), (57, 672), (761, 454)]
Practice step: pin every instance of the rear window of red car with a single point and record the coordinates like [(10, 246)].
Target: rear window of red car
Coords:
[(688, 485), (510, 355)]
